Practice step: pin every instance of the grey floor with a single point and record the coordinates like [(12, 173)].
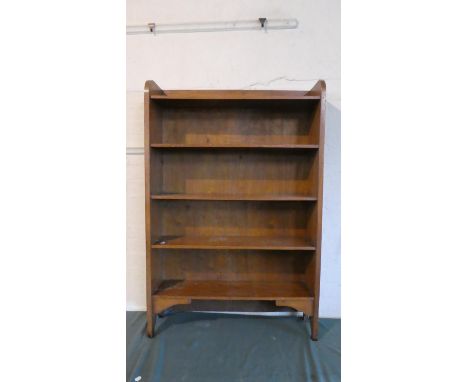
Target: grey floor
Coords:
[(218, 347)]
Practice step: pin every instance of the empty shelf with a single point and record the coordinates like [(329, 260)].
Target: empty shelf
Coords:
[(233, 146), (233, 290), (234, 242), (259, 197)]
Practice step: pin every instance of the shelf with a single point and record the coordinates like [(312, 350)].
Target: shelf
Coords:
[(223, 95), (233, 290), (234, 242), (233, 146), (259, 197)]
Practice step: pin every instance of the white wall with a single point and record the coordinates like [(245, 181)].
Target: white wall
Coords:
[(289, 59)]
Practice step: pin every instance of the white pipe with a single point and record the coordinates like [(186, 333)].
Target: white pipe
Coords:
[(153, 28)]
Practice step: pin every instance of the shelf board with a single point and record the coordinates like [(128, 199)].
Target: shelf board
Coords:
[(233, 146), (259, 197), (233, 290), (234, 242), (223, 95)]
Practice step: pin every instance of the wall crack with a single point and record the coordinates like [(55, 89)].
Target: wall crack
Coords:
[(282, 78)]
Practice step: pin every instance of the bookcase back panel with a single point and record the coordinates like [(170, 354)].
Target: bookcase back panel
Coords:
[(236, 122), (233, 265), (235, 171), (220, 219)]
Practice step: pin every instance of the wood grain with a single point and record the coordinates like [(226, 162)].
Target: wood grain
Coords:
[(249, 219), (235, 265), (233, 146), (240, 197), (232, 290), (235, 94), (318, 125), (234, 196), (301, 305), (150, 88), (236, 123), (232, 172), (161, 303), (235, 242)]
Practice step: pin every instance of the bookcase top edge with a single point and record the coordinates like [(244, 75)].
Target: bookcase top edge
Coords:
[(235, 94)]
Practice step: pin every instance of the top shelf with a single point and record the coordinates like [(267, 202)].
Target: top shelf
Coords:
[(235, 95), (234, 146)]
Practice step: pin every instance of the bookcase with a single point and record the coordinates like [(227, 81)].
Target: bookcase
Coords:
[(233, 197)]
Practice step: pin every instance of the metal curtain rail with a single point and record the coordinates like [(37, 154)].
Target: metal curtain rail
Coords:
[(261, 23)]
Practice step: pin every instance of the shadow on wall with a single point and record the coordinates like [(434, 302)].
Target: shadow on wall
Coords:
[(330, 294)]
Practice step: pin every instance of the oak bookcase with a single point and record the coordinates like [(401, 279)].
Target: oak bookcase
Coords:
[(233, 197)]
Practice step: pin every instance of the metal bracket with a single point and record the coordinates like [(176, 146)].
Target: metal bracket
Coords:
[(152, 27), (262, 21)]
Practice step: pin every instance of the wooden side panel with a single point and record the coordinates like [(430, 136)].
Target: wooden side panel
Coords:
[(150, 117), (320, 87)]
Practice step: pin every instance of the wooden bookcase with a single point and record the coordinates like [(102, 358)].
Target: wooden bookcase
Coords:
[(233, 195)]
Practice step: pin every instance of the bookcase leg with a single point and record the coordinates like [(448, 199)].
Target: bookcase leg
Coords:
[(314, 327), (150, 321)]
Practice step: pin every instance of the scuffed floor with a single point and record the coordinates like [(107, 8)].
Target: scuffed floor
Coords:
[(206, 347)]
